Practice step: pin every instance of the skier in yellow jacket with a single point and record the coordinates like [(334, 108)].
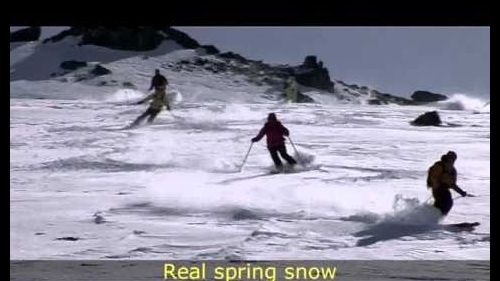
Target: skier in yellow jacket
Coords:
[(442, 177), (291, 89), (159, 83)]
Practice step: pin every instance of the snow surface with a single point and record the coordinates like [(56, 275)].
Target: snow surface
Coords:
[(38, 61), (174, 189)]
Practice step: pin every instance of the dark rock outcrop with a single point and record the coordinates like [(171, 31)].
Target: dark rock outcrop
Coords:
[(385, 98), (234, 56), (120, 38), (311, 74), (210, 49), (301, 98), (74, 31), (430, 118), (180, 37), (310, 61), (100, 70), (68, 238), (26, 34), (72, 64), (200, 61), (143, 38), (375, 102), (425, 96), (133, 39)]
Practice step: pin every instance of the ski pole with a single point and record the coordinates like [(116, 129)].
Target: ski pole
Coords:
[(293, 145), (467, 195), (454, 198), (246, 156), (300, 158)]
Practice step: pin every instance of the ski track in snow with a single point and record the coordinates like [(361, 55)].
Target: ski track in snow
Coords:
[(172, 189)]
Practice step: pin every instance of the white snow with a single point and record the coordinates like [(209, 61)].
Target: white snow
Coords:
[(464, 102), (45, 59), (173, 190)]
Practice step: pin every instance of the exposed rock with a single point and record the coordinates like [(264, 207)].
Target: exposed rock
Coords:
[(143, 38), (99, 218), (81, 77), (129, 85), (244, 214), (210, 49), (268, 80), (231, 55), (310, 61), (74, 31), (427, 119), (100, 70), (388, 98), (425, 96), (72, 64), (120, 38), (26, 34), (292, 93), (69, 238), (311, 74), (200, 61), (181, 38), (302, 98), (375, 102)]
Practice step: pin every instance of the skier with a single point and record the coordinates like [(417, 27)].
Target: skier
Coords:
[(159, 83), (442, 176), (274, 131), (291, 90)]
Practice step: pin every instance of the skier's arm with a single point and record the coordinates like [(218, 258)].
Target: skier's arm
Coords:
[(452, 182), (260, 135), (285, 131), (145, 99), (459, 190), (152, 83)]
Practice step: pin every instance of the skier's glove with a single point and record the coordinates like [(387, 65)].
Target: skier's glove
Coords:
[(254, 140)]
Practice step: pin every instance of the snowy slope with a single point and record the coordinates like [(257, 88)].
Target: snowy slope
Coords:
[(37, 61), (173, 190), (33, 64), (44, 59)]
